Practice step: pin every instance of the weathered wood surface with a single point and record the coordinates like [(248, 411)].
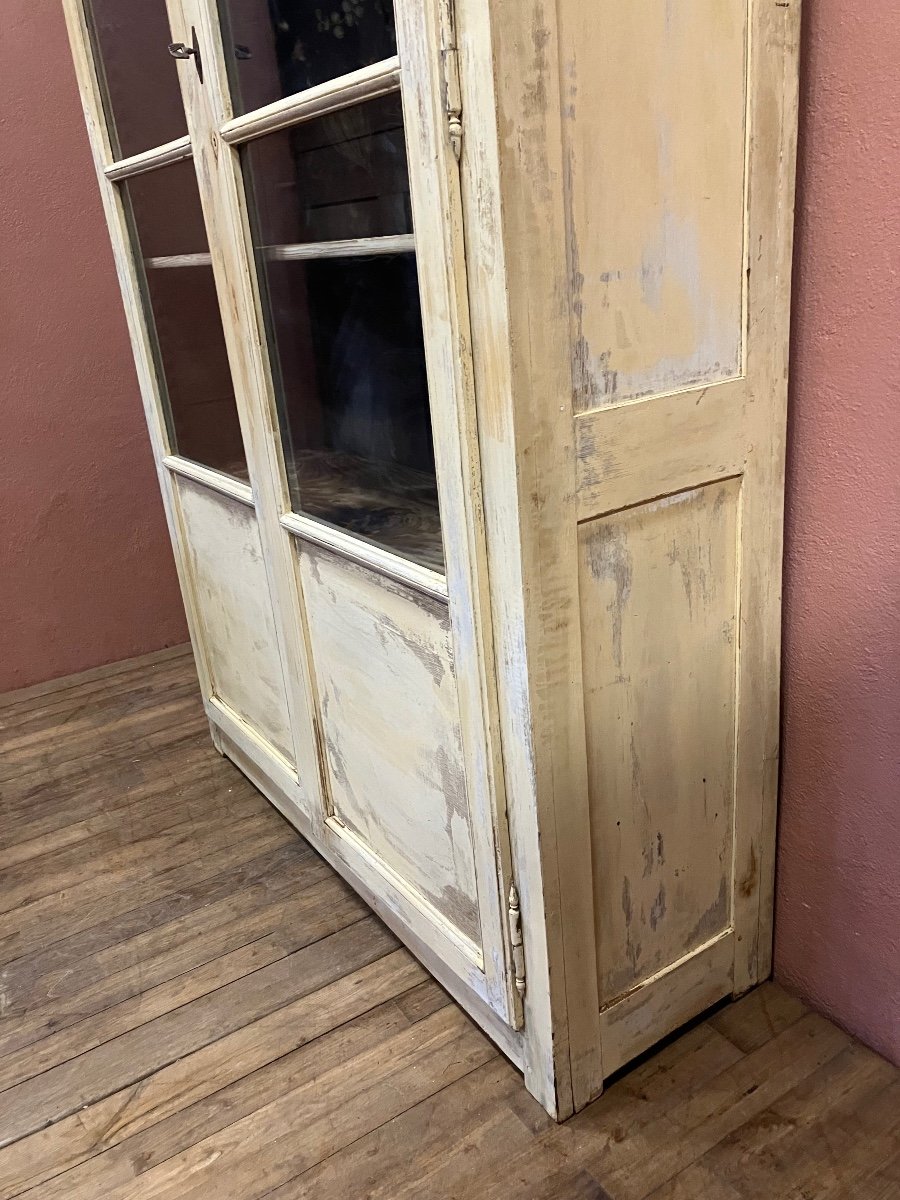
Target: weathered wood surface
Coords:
[(604, 250), (628, 175), (390, 724), (659, 624), (657, 279), (249, 1031), (234, 610)]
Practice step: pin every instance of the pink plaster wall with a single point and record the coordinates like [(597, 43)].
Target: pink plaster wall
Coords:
[(86, 572), (838, 902)]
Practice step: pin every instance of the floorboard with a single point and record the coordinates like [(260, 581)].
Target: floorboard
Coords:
[(193, 1005)]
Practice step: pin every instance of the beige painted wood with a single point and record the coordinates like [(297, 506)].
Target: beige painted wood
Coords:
[(402, 243), (206, 106), (390, 727), (427, 40), (370, 554), (632, 1023), (683, 439), (516, 248), (629, 169), (586, 705), (775, 41), (434, 188), (633, 452), (658, 602), (654, 142), (236, 489), (232, 596)]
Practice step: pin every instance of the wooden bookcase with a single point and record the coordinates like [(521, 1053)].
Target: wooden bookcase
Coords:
[(462, 328)]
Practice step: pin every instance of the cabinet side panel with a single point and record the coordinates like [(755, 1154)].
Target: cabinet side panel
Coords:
[(232, 597), (390, 718), (654, 103), (658, 612)]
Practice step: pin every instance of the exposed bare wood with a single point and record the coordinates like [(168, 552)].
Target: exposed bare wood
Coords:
[(51, 691), (403, 243), (149, 160), (173, 1043)]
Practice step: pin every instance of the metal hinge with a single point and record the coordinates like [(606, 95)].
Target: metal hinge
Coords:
[(452, 89), (515, 938)]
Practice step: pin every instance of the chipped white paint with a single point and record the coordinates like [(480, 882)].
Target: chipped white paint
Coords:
[(390, 726), (607, 360), (232, 599)]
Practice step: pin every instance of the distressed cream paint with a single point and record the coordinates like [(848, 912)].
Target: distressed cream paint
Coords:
[(578, 730), (839, 889), (656, 102)]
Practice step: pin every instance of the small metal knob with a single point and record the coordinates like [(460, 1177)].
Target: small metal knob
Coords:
[(180, 50)]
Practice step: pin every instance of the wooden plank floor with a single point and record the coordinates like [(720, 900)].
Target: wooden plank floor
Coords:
[(192, 1004)]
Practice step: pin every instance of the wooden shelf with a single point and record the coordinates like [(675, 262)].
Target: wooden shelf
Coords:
[(401, 243)]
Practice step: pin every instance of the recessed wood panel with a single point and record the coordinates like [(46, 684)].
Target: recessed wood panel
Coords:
[(654, 118), (232, 594), (384, 673), (658, 614)]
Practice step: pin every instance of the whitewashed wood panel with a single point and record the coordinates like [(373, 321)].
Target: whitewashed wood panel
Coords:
[(654, 105), (231, 593), (390, 717), (658, 614)]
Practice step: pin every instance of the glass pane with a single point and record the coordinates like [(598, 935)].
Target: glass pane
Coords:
[(339, 176), (275, 48), (138, 75), (181, 295), (345, 331)]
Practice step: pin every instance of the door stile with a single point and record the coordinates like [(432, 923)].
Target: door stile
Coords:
[(138, 330), (773, 100), (207, 106), (513, 178), (426, 44)]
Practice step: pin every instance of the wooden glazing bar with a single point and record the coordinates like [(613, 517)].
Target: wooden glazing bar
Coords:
[(403, 243), (150, 160), (226, 485), (367, 554), (366, 84)]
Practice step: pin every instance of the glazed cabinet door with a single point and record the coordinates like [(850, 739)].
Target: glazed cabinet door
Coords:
[(193, 395), (326, 161)]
